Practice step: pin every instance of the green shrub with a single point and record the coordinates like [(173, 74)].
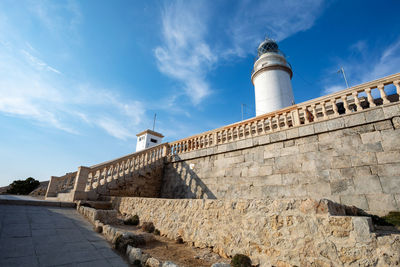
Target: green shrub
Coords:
[(240, 260), (23, 187), (133, 220), (156, 232), (393, 218), (148, 227)]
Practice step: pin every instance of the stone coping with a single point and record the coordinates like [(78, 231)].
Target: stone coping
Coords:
[(33, 202)]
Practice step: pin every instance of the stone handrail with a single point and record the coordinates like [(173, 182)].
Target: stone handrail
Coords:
[(354, 99), (61, 184), (106, 172)]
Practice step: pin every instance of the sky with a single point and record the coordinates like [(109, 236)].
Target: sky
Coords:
[(79, 79)]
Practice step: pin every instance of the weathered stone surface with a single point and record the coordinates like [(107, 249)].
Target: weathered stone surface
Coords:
[(169, 264), (271, 232), (153, 262), (396, 122), (218, 264)]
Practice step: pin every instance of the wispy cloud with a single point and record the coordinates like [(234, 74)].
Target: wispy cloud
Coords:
[(188, 55), (32, 89), (366, 65), (185, 55)]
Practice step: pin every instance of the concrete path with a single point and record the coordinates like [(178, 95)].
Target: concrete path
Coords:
[(51, 236)]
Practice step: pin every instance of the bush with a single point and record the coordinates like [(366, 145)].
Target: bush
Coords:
[(133, 220), (240, 260), (156, 232), (23, 187), (393, 218), (148, 227)]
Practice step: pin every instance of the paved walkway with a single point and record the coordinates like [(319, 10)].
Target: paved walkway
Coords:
[(51, 236)]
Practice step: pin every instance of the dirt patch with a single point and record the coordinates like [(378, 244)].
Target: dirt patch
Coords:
[(165, 249)]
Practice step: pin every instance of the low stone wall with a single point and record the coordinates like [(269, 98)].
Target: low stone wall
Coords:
[(280, 232), (353, 159), (104, 216)]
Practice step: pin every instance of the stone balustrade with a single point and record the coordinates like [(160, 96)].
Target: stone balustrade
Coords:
[(354, 99), (109, 171), (61, 184)]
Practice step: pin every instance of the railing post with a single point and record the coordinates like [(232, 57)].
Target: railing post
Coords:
[(357, 101), (345, 104), (370, 98), (80, 183), (381, 89), (335, 108), (397, 84)]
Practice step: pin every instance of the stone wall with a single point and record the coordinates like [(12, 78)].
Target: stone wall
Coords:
[(353, 159), (280, 232)]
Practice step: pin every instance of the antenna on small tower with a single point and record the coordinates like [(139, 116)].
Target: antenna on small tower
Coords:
[(344, 75), (154, 121)]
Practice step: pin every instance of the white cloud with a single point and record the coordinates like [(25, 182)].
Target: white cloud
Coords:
[(114, 128), (188, 55)]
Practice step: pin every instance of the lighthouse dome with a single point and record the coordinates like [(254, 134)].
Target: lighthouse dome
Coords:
[(268, 45)]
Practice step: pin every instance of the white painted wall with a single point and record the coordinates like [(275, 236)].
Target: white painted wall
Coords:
[(145, 141), (272, 86)]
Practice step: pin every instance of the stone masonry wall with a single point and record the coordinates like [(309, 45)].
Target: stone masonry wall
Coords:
[(280, 232), (353, 159)]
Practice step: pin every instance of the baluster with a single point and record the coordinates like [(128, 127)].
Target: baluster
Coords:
[(397, 84), (335, 108), (381, 89), (345, 104), (286, 120), (324, 113), (314, 112), (306, 115), (357, 101), (370, 98), (278, 127)]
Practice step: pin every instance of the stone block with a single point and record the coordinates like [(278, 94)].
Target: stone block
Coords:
[(391, 169), (391, 139), (341, 162), (367, 184), (362, 227), (383, 125), (291, 178), (354, 119), (388, 156), (222, 148), (363, 159), (360, 201), (318, 190), (381, 203), (372, 147), (289, 151), (390, 184), (264, 139), (311, 147), (342, 187), (265, 170), (292, 133), (306, 130), (335, 124), (371, 137), (396, 122), (391, 111), (153, 262), (375, 114), (320, 127), (244, 143), (288, 143), (278, 136)]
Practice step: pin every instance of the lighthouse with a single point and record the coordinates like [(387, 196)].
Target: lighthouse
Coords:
[(271, 78)]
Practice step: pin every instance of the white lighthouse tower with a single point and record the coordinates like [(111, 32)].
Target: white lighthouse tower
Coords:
[(271, 78)]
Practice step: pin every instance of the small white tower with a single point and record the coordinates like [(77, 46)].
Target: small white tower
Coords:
[(271, 78), (148, 139)]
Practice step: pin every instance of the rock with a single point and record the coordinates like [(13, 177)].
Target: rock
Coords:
[(133, 254), (221, 264), (136, 254), (169, 264), (153, 262)]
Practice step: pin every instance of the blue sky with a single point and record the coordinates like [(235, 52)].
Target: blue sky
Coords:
[(79, 79)]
